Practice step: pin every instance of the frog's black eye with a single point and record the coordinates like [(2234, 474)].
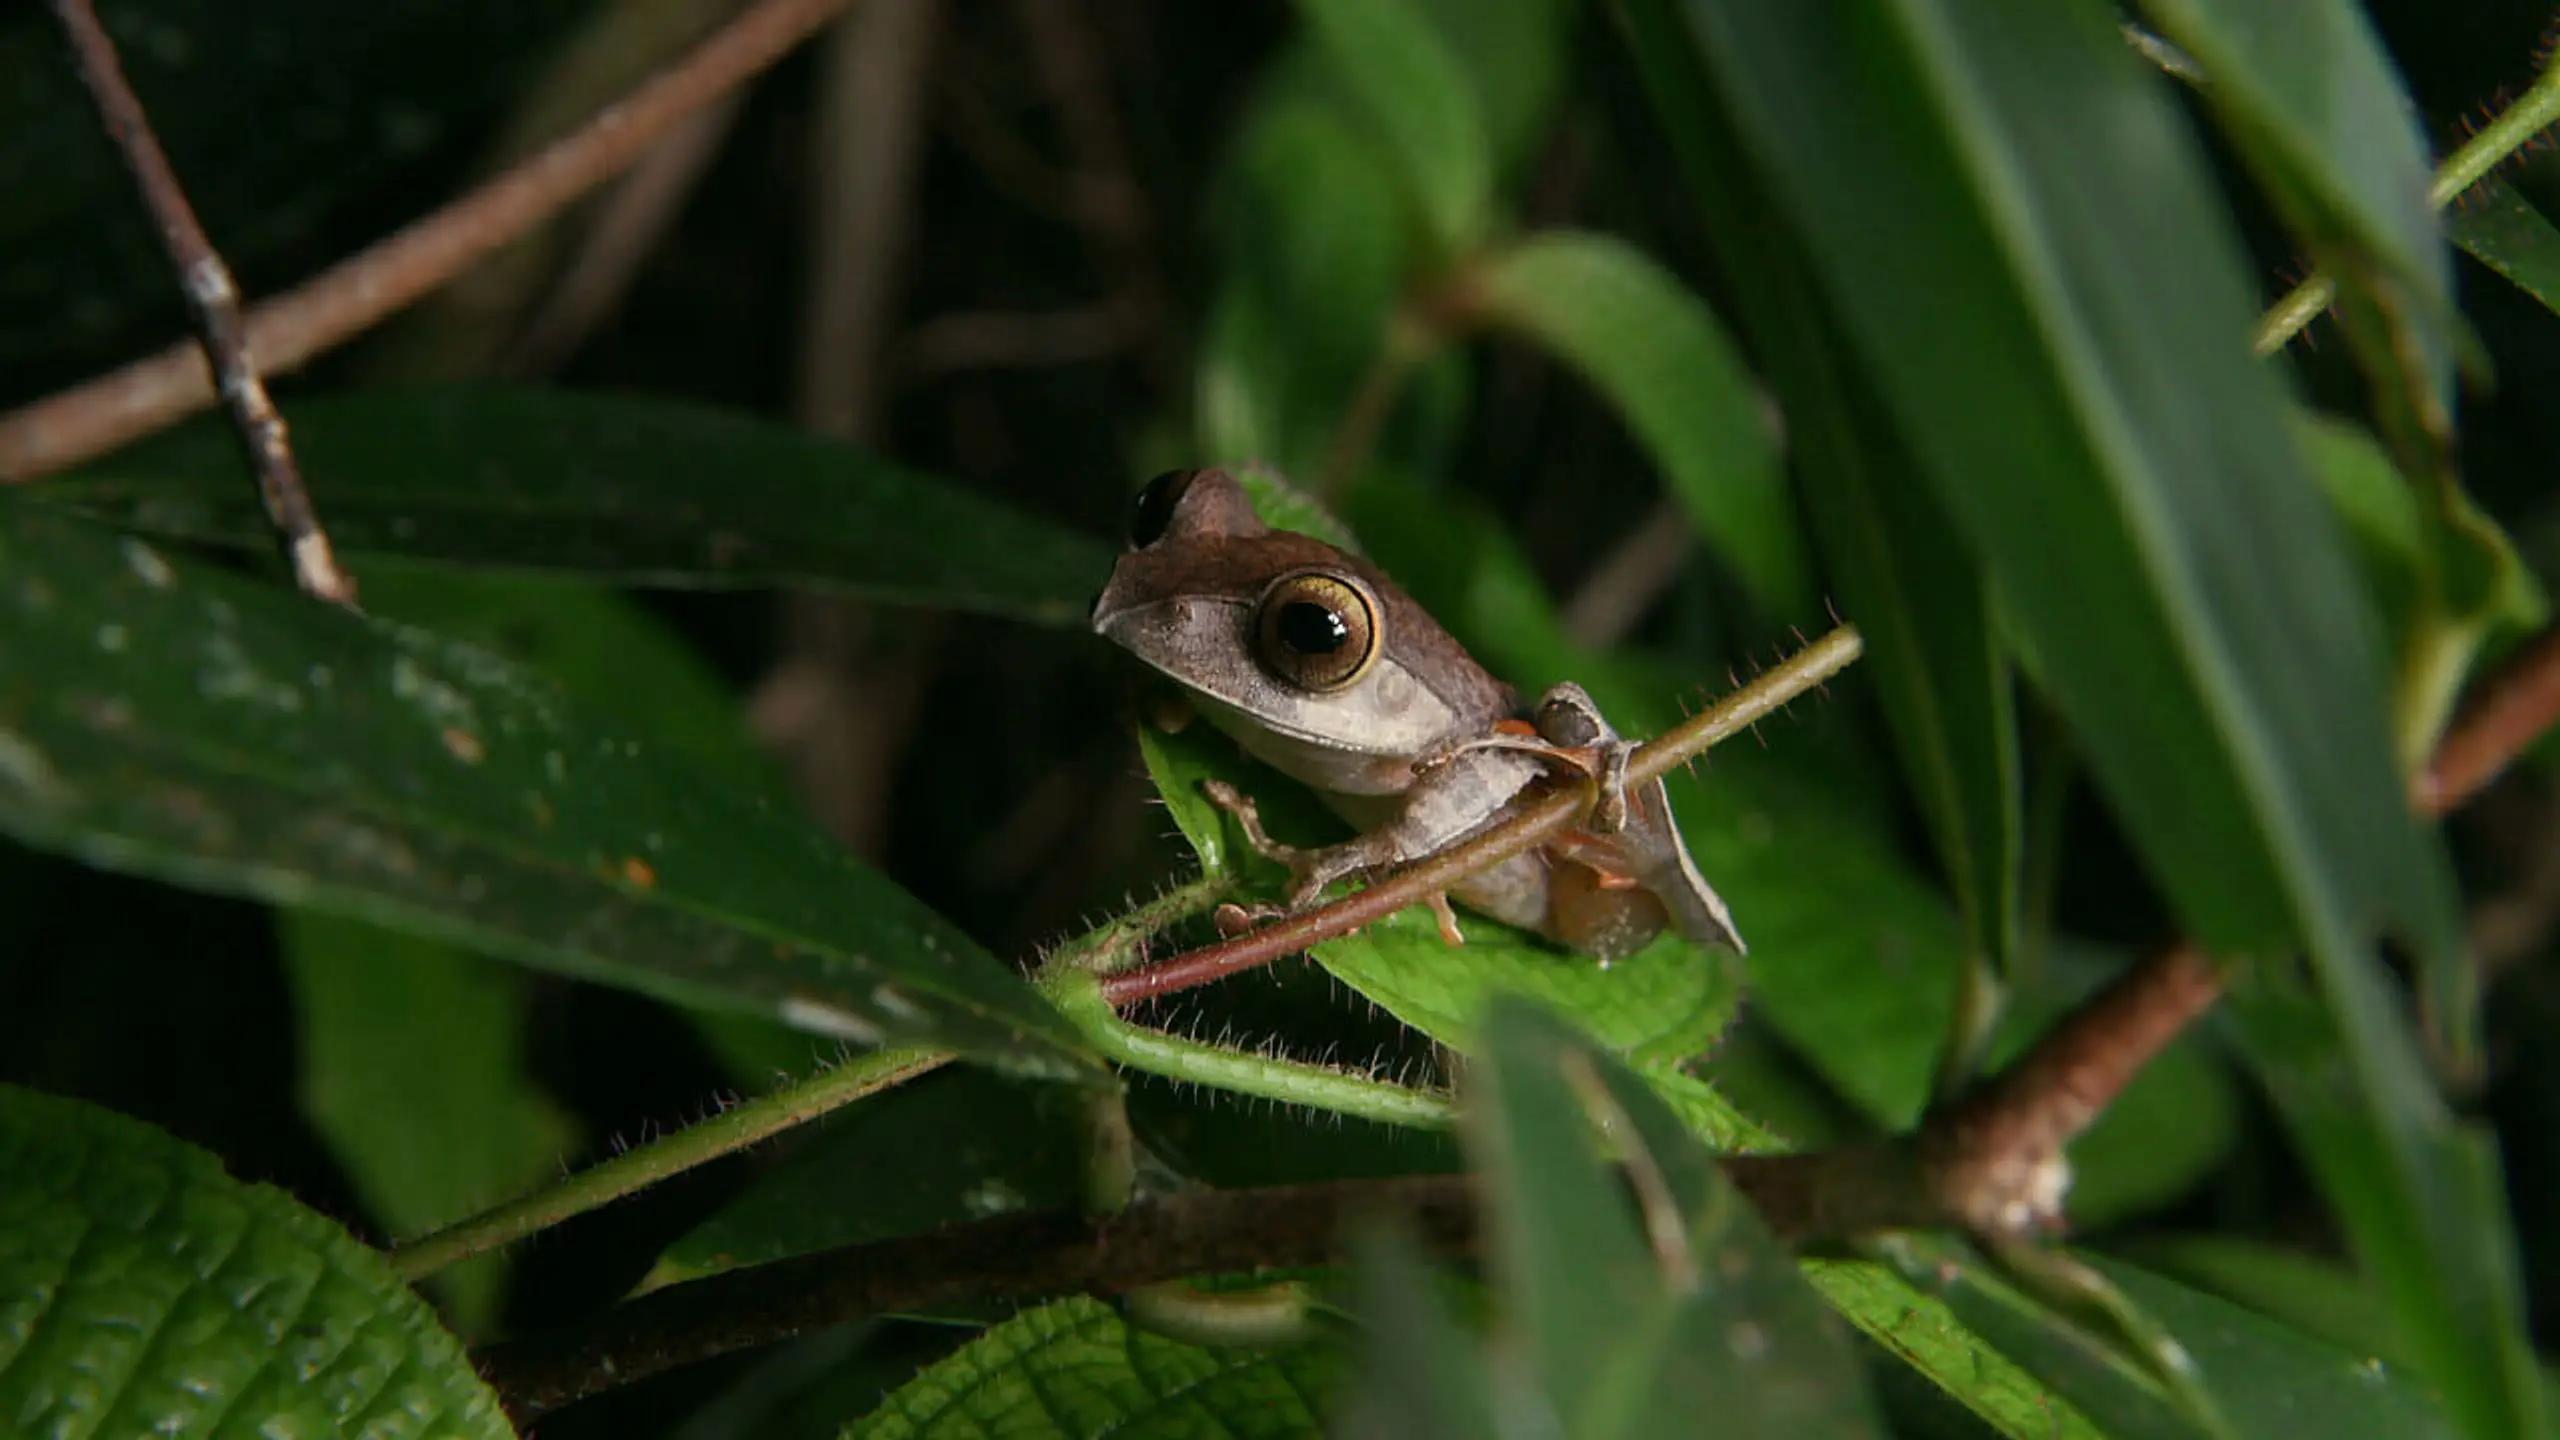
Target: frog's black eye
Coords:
[(1316, 632), (1155, 506)]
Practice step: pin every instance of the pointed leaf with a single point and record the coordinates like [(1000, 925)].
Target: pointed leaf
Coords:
[(2502, 230), (2308, 96), (1640, 1319), (644, 491), (379, 1009), (144, 1291), (2118, 463), (181, 721), (1916, 1326), (1418, 100), (1656, 353)]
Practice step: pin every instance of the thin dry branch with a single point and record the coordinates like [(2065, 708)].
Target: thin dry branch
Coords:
[(214, 299), (92, 418)]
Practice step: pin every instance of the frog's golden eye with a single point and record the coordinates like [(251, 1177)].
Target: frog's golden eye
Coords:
[(1316, 632)]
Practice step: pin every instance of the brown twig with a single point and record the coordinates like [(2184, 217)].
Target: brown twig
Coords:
[(214, 299), (1737, 712), (1994, 1156), (90, 419), (1202, 1232)]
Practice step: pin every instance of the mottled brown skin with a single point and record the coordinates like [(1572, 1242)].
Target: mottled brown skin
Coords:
[(1415, 749)]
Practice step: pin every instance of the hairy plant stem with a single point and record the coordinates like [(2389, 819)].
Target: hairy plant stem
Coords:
[(726, 1133), (2534, 112)]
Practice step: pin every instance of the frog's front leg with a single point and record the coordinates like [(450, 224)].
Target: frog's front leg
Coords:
[(1309, 870), (1445, 805)]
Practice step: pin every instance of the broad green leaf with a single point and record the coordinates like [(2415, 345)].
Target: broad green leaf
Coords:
[(1639, 1320), (1916, 1326), (1315, 242), (2309, 99), (606, 650), (2276, 1382), (1514, 58), (2098, 1372), (2502, 230), (379, 1009), (1903, 578), (645, 491), (1657, 354), (144, 1291), (2400, 548), (1424, 1377), (1418, 102), (181, 721), (2053, 322), (2309, 102), (2305, 1057), (2319, 1298), (1073, 1370), (955, 1146)]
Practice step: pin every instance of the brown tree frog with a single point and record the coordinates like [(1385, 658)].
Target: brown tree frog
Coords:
[(1317, 664)]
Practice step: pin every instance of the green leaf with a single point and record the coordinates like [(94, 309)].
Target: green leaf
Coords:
[(957, 1145), (1903, 578), (646, 491), (2308, 98), (1418, 100), (2502, 230), (2053, 323), (2319, 1298), (1657, 354), (1514, 57), (177, 720), (143, 1291), (2096, 1372), (2477, 562), (1919, 1328), (1074, 1370), (1314, 240), (380, 1009), (1424, 1377), (2276, 1382), (606, 650), (1637, 1321)]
